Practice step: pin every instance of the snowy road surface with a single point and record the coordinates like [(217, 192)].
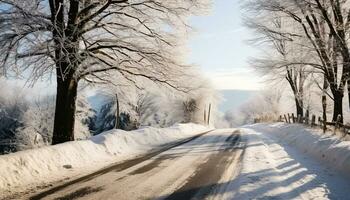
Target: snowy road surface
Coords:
[(191, 169), (245, 163)]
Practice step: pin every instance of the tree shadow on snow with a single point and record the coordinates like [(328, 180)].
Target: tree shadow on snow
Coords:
[(289, 180)]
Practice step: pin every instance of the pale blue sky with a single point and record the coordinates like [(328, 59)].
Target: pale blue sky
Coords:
[(220, 49)]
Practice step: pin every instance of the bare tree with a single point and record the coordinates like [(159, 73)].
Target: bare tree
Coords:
[(90, 40), (324, 26), (336, 16), (291, 61)]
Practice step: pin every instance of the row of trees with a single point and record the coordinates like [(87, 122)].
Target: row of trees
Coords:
[(308, 46), (96, 42), (27, 115), (147, 108), (159, 106)]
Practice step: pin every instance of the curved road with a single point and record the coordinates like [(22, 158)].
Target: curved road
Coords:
[(196, 168)]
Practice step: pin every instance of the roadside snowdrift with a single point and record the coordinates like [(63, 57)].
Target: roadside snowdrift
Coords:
[(326, 148), (53, 163)]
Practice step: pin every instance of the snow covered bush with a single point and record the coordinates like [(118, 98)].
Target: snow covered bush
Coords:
[(146, 106), (37, 122), (13, 105), (28, 122), (189, 108), (144, 110), (83, 118)]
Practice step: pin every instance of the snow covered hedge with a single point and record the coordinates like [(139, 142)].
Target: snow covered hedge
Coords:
[(50, 163), (327, 148)]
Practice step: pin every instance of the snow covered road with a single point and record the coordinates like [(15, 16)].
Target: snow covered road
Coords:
[(193, 168), (245, 163)]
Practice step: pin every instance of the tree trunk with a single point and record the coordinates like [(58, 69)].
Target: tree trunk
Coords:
[(209, 114), (348, 83), (324, 104), (65, 110), (299, 107), (298, 102), (324, 112), (338, 106)]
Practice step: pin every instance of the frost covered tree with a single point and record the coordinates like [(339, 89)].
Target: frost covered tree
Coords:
[(157, 105), (265, 106), (13, 104), (26, 117), (38, 120), (288, 59), (325, 26), (88, 40), (37, 124), (145, 106)]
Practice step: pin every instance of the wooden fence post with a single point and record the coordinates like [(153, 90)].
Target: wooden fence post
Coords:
[(319, 121), (288, 117), (307, 115), (337, 122), (293, 118), (324, 125), (285, 118)]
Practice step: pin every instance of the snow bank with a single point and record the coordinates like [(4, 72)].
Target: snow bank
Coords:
[(326, 148), (53, 163)]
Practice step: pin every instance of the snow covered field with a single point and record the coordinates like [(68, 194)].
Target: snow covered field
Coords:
[(44, 165), (284, 161)]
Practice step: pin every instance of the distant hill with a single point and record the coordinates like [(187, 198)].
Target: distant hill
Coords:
[(232, 99)]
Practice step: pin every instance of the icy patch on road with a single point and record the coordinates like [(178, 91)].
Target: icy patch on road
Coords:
[(47, 164)]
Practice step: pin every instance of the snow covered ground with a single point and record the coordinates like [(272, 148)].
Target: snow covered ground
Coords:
[(260, 161), (284, 161), (37, 167)]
